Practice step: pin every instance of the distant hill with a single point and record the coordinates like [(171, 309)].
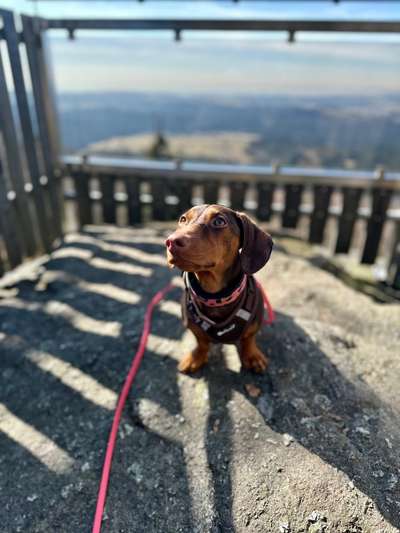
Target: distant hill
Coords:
[(330, 131), (222, 147)]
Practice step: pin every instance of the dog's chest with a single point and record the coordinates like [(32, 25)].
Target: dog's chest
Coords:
[(225, 324)]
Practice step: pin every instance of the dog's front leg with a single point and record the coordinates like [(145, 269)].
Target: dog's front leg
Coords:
[(250, 354), (198, 357)]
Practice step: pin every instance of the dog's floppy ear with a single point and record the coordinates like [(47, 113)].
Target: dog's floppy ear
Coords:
[(256, 245)]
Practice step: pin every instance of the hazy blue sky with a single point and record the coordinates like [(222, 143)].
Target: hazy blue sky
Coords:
[(235, 62), (213, 8)]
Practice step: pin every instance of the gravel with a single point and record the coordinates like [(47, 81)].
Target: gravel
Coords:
[(311, 446)]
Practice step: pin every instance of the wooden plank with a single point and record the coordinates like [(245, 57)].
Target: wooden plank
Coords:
[(46, 230), (291, 213), (185, 196), (322, 197), (134, 205), (380, 203), (107, 199), (81, 181), (158, 192), (46, 116), (12, 149), (394, 266), (171, 209), (237, 195), (351, 201), (265, 194), (8, 225), (210, 192)]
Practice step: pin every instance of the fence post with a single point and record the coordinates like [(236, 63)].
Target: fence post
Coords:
[(380, 203), (394, 265), (322, 197), (158, 193), (237, 194), (12, 41), (8, 225), (134, 205), (185, 196), (81, 181), (13, 156), (45, 111), (107, 199), (265, 194), (210, 192), (348, 217), (291, 213)]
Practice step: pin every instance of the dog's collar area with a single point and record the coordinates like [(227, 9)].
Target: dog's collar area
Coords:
[(227, 296)]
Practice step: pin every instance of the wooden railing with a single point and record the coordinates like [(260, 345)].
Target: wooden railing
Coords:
[(150, 190), (31, 174), (30, 201)]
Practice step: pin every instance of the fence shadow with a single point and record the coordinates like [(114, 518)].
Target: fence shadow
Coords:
[(307, 397)]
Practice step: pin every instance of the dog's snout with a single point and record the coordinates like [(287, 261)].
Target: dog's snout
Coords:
[(176, 242)]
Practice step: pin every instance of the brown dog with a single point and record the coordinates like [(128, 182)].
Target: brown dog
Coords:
[(218, 250)]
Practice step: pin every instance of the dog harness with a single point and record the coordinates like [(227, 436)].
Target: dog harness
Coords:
[(244, 299)]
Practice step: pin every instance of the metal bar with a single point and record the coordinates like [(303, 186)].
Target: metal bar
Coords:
[(202, 172), (8, 225), (42, 98), (11, 38), (265, 194), (322, 197), (380, 204), (353, 26), (7, 128), (291, 214)]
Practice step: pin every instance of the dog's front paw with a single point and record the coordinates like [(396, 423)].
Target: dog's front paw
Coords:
[(255, 360), (191, 363)]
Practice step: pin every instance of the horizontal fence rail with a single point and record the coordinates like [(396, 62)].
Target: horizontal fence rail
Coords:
[(162, 190), (354, 26)]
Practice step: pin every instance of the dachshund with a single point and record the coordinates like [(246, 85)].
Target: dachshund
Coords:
[(218, 250)]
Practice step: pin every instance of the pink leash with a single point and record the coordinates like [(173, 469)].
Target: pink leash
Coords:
[(101, 497), (267, 306)]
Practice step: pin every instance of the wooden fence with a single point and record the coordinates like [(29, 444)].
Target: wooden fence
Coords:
[(30, 201), (98, 187), (35, 185)]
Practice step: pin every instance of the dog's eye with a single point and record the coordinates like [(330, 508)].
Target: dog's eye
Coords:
[(182, 220), (219, 222)]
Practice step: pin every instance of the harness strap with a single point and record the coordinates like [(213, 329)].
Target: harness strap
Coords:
[(231, 328)]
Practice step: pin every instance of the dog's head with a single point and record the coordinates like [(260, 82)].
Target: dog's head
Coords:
[(212, 237)]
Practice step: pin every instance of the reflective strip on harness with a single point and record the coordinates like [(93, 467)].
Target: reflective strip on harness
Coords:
[(242, 313)]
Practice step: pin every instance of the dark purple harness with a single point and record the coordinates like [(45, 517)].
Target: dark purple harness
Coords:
[(244, 300)]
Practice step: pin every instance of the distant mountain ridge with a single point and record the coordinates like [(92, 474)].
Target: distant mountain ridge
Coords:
[(329, 131)]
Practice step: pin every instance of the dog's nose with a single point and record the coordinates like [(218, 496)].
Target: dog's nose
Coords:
[(175, 242)]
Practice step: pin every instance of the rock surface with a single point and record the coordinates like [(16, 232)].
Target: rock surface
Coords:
[(312, 446)]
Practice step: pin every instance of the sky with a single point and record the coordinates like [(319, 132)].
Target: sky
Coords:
[(230, 62)]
